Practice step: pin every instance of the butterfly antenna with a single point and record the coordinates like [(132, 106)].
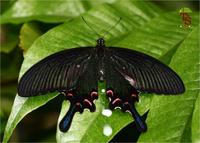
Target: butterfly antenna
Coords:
[(91, 27), (111, 27)]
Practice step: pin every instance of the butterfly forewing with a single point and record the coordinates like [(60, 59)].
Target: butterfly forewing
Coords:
[(59, 71), (88, 82), (145, 73)]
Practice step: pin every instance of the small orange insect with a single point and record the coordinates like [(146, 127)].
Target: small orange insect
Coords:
[(186, 19)]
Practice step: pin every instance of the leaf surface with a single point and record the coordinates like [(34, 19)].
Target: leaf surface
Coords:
[(46, 11), (28, 33)]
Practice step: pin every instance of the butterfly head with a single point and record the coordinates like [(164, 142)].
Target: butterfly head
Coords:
[(101, 42)]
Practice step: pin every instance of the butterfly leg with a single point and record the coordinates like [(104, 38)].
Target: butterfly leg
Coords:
[(127, 105), (77, 104)]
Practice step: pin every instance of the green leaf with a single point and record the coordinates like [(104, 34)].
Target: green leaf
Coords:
[(169, 117), (21, 107), (195, 121), (5, 5), (46, 11), (28, 33), (185, 9), (9, 38), (139, 20)]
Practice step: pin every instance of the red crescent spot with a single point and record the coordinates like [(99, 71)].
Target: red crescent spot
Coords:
[(117, 102), (87, 103), (109, 93), (69, 94), (94, 95)]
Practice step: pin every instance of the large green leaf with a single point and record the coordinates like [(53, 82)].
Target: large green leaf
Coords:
[(46, 11), (196, 121), (169, 119), (140, 21)]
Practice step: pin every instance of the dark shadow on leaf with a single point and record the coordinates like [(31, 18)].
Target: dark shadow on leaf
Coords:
[(128, 133)]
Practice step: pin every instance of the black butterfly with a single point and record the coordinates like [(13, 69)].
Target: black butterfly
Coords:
[(75, 74)]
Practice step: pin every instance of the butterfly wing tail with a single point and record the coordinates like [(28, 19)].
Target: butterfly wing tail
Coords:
[(65, 123), (139, 121)]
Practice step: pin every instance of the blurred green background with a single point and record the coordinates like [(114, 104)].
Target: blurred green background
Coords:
[(12, 48)]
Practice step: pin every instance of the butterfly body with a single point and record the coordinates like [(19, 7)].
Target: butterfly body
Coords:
[(75, 74), (100, 58)]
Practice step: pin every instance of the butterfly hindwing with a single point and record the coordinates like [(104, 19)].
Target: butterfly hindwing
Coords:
[(145, 73), (82, 95), (59, 71), (122, 94)]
